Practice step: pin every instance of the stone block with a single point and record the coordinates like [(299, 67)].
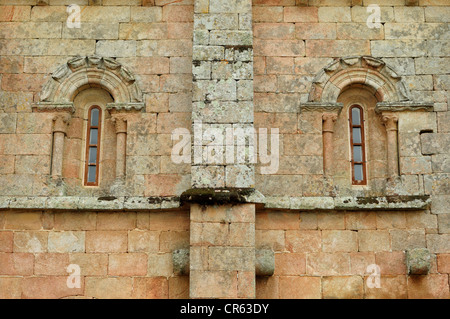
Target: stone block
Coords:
[(331, 220), (438, 243), (334, 14), (374, 240), (339, 241), (127, 264), (433, 286), (116, 221), (358, 31), (49, 287), (303, 241), (166, 220), (410, 122), (271, 239), (11, 287), (279, 47), (301, 14), (216, 21), (51, 264), (143, 241), (16, 264), (109, 287), (116, 48), (399, 48), (6, 241), (391, 287), (75, 221), (437, 184), (179, 287), (268, 14), (66, 242), (164, 48), (231, 258), (443, 263), (221, 284), (150, 288), (13, 64), (291, 287), (30, 242), (444, 223), (348, 287), (106, 241), (23, 220), (361, 14), (328, 264), (172, 240), (160, 265), (90, 264), (290, 264), (391, 263), (407, 239), (92, 30), (178, 13), (337, 48), (147, 14), (437, 14), (409, 14), (415, 165), (15, 13), (267, 287)]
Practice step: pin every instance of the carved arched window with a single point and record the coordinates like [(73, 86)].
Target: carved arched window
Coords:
[(358, 145), (93, 140)]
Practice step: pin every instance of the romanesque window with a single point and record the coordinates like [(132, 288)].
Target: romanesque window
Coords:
[(357, 144), (91, 98), (93, 146)]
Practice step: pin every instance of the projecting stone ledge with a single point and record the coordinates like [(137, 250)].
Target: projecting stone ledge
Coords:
[(207, 196), (264, 262), (222, 196), (107, 203), (350, 203)]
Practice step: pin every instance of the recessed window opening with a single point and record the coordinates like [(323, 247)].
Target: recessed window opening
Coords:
[(357, 143), (93, 146)]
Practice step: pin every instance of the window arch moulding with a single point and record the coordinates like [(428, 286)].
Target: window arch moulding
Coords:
[(373, 73), (80, 73)]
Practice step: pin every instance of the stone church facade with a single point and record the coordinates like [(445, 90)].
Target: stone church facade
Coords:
[(224, 149)]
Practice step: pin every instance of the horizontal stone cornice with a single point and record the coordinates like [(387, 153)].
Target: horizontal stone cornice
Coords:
[(207, 197)]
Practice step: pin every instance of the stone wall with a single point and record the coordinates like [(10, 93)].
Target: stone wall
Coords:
[(120, 255), (285, 64)]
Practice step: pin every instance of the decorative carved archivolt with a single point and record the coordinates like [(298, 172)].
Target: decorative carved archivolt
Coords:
[(91, 71), (368, 71)]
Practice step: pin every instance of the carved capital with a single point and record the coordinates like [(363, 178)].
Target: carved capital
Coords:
[(120, 122), (390, 121), (61, 122), (328, 122)]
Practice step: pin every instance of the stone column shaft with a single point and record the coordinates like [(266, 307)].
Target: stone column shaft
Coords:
[(121, 145), (391, 123), (60, 123), (328, 131)]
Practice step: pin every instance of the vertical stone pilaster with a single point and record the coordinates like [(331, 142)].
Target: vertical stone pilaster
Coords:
[(222, 92), (222, 252)]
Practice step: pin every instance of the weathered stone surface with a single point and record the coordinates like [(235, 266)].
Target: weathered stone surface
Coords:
[(418, 261)]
